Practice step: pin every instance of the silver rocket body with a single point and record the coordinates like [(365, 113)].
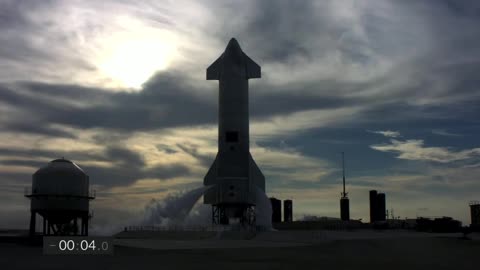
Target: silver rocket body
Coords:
[(234, 174)]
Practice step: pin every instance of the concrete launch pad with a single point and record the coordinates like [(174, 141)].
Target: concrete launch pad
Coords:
[(269, 250), (173, 240)]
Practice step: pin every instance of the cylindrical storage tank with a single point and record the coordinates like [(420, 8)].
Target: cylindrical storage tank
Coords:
[(287, 211), (276, 210), (344, 209), (373, 206), (60, 194), (60, 186), (381, 207)]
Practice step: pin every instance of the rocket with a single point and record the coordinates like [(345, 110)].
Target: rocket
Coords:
[(234, 175)]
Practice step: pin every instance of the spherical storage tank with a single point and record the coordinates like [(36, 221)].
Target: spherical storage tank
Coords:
[(60, 194)]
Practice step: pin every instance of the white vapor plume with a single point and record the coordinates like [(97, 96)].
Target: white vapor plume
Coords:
[(175, 209)]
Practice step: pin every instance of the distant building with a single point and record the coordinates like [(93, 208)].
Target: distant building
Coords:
[(321, 223), (409, 223), (276, 210), (317, 218), (475, 215), (381, 207), (345, 208), (287, 211), (438, 225), (373, 206), (377, 206)]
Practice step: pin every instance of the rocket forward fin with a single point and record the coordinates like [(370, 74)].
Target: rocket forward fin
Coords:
[(213, 71), (253, 69)]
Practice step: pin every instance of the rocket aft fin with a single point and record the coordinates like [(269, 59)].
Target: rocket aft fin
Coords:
[(256, 175), (210, 179), (211, 176)]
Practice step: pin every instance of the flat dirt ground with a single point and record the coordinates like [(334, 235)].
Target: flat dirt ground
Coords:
[(414, 253)]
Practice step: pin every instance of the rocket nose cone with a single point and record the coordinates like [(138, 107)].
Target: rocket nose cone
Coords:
[(233, 43), (233, 46), (233, 53)]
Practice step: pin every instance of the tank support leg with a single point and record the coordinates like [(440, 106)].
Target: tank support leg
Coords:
[(84, 230), (82, 227), (86, 225), (75, 226), (32, 223)]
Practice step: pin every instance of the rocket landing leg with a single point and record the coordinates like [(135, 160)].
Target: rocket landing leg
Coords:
[(220, 217)]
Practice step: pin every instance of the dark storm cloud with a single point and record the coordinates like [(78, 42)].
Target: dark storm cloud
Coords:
[(35, 128), (125, 156), (164, 102), (36, 105), (464, 8), (65, 92), (275, 25), (16, 180), (14, 19), (278, 30), (33, 45), (126, 166), (26, 163), (205, 160), (166, 148), (76, 156), (126, 174), (267, 101), (13, 13), (129, 166), (293, 32), (446, 75)]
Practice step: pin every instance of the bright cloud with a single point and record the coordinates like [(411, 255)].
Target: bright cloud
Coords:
[(443, 132), (415, 150), (387, 133)]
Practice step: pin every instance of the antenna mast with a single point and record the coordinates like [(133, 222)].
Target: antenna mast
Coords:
[(344, 194)]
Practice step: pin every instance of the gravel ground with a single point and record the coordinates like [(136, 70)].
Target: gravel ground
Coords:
[(338, 252)]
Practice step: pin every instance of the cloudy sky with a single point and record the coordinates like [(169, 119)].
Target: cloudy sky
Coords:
[(119, 87)]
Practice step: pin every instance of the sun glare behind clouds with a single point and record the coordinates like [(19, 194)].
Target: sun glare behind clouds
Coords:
[(130, 57)]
